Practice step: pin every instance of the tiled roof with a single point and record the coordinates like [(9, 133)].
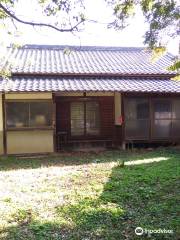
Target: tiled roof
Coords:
[(28, 84), (43, 68), (45, 59)]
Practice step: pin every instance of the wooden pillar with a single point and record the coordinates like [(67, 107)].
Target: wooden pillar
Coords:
[(123, 145), (54, 122), (4, 125)]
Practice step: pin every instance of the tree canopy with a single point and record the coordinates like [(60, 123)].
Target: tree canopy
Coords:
[(163, 17)]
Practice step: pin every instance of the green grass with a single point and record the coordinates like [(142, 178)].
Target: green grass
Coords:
[(90, 196)]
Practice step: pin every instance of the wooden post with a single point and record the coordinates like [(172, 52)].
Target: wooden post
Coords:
[(4, 125), (123, 145), (54, 122)]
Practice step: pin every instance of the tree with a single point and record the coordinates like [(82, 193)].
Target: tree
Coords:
[(65, 13), (163, 17)]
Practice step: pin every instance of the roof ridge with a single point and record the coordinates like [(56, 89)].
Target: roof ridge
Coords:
[(82, 48)]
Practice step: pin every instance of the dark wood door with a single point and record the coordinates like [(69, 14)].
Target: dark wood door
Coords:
[(63, 117), (101, 126)]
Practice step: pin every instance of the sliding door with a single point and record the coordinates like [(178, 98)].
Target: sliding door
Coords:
[(137, 118), (92, 118), (85, 119), (77, 119), (166, 118), (176, 118), (162, 115), (154, 119)]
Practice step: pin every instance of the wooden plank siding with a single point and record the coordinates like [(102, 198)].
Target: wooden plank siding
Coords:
[(63, 116), (107, 117)]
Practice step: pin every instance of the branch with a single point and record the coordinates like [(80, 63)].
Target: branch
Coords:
[(10, 14)]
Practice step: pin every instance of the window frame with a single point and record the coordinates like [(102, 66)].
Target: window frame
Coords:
[(28, 127), (85, 135)]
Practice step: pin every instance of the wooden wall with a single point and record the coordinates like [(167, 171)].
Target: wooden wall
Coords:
[(107, 117), (63, 116)]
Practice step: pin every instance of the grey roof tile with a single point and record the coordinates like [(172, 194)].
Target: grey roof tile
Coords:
[(85, 60), (42, 84)]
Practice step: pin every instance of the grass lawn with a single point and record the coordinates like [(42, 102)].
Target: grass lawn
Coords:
[(90, 196)]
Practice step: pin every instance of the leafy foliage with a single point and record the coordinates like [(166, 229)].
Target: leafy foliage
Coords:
[(162, 16), (175, 66)]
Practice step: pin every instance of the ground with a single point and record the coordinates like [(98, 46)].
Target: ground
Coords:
[(90, 195)]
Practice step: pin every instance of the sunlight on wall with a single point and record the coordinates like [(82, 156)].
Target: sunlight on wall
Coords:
[(29, 96)]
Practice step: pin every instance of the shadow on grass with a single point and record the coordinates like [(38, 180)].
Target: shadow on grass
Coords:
[(142, 195), (84, 220), (59, 160), (79, 158)]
